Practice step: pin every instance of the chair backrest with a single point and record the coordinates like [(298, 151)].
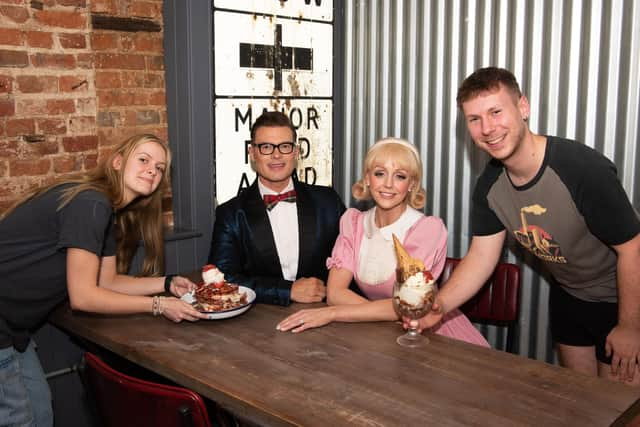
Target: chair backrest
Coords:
[(121, 400), (497, 302)]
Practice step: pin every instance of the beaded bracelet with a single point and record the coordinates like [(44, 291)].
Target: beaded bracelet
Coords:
[(155, 305), (167, 282)]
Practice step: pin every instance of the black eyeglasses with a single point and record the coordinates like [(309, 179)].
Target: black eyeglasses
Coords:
[(268, 148)]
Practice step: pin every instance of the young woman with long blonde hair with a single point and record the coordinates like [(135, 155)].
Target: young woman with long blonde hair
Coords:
[(75, 239)]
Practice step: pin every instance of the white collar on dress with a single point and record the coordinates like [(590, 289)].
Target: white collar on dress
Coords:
[(409, 217)]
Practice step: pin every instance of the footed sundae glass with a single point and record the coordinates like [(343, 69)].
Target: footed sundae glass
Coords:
[(414, 303)]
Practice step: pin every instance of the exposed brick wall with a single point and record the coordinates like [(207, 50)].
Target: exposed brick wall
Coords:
[(70, 89)]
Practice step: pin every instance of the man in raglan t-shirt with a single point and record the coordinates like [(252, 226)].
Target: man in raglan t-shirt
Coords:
[(563, 202)]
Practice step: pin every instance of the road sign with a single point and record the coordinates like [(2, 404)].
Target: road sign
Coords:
[(266, 56)]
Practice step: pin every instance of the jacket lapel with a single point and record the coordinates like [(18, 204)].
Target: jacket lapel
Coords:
[(306, 229), (260, 228)]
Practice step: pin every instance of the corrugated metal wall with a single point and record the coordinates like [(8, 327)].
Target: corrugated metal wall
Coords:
[(577, 61)]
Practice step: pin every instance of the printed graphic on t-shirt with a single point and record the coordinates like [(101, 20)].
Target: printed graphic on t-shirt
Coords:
[(535, 239)]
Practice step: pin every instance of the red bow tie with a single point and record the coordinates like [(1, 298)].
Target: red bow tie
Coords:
[(270, 200)]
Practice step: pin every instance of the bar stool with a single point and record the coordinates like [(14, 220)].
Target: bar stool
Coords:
[(121, 400)]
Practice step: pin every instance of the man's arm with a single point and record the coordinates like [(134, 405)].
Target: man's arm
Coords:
[(328, 211), (594, 189), (468, 277), (624, 340)]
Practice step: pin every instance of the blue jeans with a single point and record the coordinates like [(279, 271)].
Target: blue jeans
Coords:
[(25, 398)]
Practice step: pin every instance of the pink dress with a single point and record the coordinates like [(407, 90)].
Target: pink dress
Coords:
[(425, 239)]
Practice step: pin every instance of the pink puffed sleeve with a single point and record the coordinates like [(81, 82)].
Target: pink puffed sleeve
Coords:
[(343, 254), (427, 240)]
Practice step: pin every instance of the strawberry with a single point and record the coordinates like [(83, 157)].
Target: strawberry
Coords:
[(218, 285), (208, 267), (427, 275)]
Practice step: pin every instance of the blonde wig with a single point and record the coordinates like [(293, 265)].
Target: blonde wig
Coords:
[(405, 156)]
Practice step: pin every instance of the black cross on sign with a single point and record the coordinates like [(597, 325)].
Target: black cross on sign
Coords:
[(277, 57)]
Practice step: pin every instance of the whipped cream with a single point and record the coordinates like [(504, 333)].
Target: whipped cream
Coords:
[(415, 288), (213, 275)]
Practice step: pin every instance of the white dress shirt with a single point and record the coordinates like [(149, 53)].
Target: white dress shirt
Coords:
[(282, 217)]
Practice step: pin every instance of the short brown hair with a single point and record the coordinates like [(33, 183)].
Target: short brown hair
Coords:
[(273, 119), (487, 79)]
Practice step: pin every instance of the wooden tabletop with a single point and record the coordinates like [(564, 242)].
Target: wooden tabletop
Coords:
[(354, 374)]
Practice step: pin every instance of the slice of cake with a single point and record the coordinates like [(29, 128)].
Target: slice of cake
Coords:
[(215, 294)]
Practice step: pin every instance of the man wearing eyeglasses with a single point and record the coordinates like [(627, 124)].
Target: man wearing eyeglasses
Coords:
[(276, 235)]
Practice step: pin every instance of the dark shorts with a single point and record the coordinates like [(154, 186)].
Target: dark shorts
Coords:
[(581, 323)]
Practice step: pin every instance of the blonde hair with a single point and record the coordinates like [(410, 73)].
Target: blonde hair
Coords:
[(405, 156), (141, 219)]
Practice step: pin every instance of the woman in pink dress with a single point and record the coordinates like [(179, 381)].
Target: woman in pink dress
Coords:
[(364, 249)]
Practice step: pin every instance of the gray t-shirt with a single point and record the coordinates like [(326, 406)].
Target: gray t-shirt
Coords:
[(569, 216), (33, 243)]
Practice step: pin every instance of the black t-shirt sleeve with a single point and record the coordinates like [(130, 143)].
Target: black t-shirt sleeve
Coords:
[(110, 245), (606, 207), (598, 195), (87, 223), (484, 222)]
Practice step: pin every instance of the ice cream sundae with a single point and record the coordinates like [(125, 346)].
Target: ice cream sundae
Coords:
[(413, 293), (416, 294), (415, 288)]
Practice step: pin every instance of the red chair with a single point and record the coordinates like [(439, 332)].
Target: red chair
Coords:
[(497, 302), (121, 400)]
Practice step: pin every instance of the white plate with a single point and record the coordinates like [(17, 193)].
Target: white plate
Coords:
[(215, 315)]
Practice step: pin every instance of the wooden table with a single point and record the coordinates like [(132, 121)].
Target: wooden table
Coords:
[(354, 374)]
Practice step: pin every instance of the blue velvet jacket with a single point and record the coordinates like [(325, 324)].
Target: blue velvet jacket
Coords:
[(243, 248)]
